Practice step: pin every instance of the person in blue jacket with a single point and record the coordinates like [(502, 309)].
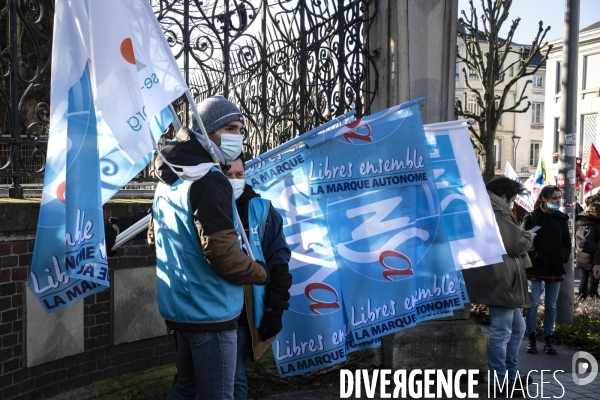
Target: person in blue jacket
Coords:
[(201, 266), (255, 332)]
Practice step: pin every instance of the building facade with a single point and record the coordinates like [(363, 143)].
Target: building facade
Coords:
[(519, 136), (588, 97)]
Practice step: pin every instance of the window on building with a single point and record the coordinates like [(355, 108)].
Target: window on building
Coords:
[(591, 68), (534, 153), (538, 82), (498, 154), (511, 71), (589, 134), (537, 113), (457, 98), (556, 133), (457, 68), (472, 106), (558, 85)]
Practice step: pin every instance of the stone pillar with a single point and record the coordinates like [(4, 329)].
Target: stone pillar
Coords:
[(454, 342), (415, 43), (415, 47)]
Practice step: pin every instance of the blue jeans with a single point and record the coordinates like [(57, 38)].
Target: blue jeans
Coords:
[(506, 334), (205, 366), (536, 288), (244, 354)]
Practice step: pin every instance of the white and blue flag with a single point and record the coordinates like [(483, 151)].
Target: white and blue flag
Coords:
[(113, 77), (380, 219)]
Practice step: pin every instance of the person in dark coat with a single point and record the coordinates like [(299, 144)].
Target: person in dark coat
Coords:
[(587, 237), (551, 249), (252, 341), (201, 267), (503, 286)]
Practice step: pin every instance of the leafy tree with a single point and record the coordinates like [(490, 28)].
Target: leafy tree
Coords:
[(487, 55)]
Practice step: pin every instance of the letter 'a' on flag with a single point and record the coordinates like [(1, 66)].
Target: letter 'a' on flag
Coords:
[(113, 78), (592, 175)]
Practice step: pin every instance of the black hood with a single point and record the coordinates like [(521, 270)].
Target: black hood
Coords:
[(184, 150), (248, 194), (584, 219)]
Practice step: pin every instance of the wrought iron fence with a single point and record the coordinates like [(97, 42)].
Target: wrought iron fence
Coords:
[(290, 65), (26, 30)]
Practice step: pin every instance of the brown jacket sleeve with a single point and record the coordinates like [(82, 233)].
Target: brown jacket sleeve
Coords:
[(225, 257), (211, 200)]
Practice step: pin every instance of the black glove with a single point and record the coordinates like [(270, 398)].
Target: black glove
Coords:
[(262, 264), (271, 323), (110, 234)]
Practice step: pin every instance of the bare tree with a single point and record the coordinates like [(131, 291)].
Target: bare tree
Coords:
[(486, 54)]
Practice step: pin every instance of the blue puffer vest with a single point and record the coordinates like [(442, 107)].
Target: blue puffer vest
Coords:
[(188, 291), (257, 218)]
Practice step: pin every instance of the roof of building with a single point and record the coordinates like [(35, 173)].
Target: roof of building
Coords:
[(480, 35), (591, 27), (537, 58)]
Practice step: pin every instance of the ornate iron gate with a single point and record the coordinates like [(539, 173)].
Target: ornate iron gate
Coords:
[(290, 65), (25, 45)]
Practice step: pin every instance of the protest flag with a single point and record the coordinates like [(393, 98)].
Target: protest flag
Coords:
[(592, 177), (540, 179), (113, 79), (376, 217), (523, 200)]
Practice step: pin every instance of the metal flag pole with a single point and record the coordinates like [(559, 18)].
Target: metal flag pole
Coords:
[(192, 104), (196, 115), (142, 224), (567, 141), (298, 139)]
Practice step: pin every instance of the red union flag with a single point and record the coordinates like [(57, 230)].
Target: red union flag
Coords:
[(592, 175)]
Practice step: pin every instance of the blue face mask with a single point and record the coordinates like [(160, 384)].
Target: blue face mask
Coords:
[(553, 207), (231, 145), (238, 187)]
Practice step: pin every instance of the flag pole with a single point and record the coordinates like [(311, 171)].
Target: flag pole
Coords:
[(192, 104), (142, 224), (176, 122), (298, 139), (567, 140)]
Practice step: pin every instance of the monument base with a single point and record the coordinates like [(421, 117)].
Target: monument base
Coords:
[(439, 344)]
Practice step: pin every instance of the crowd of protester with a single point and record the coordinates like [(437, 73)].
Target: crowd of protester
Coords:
[(206, 280)]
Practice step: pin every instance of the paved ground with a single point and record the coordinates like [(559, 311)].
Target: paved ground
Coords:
[(557, 377), (557, 382)]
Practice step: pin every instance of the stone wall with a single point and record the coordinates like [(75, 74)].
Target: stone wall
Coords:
[(30, 342)]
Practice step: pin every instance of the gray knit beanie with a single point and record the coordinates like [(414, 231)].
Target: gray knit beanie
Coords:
[(216, 112)]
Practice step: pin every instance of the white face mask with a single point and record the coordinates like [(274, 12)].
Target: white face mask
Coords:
[(231, 145), (238, 187), (511, 205)]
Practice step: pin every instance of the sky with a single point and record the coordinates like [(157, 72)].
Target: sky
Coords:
[(532, 12)]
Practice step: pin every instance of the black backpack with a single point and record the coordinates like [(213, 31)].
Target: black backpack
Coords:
[(586, 240)]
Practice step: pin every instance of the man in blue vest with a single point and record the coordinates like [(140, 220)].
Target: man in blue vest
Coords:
[(201, 267), (264, 305)]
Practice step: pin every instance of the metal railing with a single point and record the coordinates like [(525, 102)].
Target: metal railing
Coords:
[(290, 65)]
